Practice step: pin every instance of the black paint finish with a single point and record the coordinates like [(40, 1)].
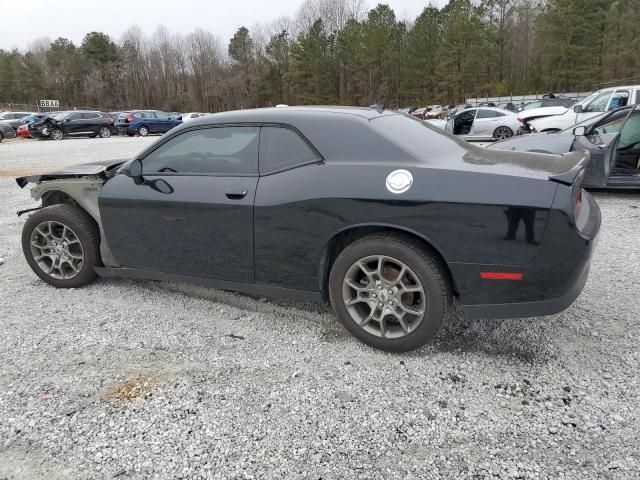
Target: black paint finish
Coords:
[(479, 210)]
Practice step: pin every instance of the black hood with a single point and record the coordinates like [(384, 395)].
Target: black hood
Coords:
[(94, 169)]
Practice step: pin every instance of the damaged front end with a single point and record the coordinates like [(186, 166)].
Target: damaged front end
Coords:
[(76, 185)]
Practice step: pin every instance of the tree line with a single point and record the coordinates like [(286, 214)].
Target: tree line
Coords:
[(340, 52)]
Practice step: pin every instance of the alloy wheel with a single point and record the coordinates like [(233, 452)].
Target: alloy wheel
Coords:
[(57, 250), (143, 131), (104, 132), (384, 296), (502, 132), (56, 134)]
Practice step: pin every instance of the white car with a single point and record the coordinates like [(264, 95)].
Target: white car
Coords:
[(483, 123), (596, 103), (190, 116), (526, 116)]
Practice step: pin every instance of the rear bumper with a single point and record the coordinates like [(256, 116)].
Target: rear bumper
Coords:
[(529, 309), (549, 285)]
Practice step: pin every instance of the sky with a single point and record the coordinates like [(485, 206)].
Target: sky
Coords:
[(22, 21)]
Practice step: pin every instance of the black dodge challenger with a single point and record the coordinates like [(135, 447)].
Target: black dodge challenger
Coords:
[(374, 211)]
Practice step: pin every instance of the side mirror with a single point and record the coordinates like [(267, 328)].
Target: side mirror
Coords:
[(577, 108), (580, 131), (135, 171)]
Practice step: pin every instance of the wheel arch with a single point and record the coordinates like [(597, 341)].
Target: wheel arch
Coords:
[(346, 236)]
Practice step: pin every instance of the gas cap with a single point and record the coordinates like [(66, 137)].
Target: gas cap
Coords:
[(399, 181)]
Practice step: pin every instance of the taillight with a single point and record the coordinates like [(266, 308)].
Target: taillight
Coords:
[(577, 204), (520, 120), (130, 117)]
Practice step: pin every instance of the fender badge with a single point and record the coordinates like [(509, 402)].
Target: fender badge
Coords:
[(399, 181)]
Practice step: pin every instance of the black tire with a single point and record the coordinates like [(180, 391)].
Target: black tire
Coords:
[(93, 135), (130, 134), (502, 133), (86, 230), (143, 130), (428, 270), (56, 134), (1, 137), (104, 132)]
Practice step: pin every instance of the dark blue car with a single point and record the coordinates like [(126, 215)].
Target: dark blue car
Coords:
[(144, 122)]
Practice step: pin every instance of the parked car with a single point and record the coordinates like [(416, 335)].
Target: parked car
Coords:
[(88, 123), (144, 122), (525, 116), (555, 101), (483, 123), (408, 110), (612, 140), (436, 112), (23, 131), (508, 106), (271, 202), (192, 115), (13, 119), (420, 113), (6, 132), (596, 103)]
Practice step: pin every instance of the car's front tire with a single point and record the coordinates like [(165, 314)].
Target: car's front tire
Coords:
[(390, 292), (62, 245), (56, 134)]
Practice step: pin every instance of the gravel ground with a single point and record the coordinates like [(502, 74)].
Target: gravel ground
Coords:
[(137, 380)]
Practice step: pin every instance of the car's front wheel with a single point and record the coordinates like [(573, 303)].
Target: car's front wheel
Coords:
[(62, 245), (104, 132), (143, 131), (56, 134), (390, 292)]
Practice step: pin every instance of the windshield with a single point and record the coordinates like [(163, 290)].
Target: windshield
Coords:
[(588, 99)]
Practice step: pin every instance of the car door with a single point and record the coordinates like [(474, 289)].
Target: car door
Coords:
[(463, 123), (484, 123), (193, 212), (73, 123), (90, 121)]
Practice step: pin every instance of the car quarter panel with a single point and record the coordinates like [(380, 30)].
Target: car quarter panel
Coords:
[(461, 214)]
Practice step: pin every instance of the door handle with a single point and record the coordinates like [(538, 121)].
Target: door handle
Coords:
[(236, 195)]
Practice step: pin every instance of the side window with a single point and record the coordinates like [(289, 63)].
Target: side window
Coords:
[(619, 99), (221, 150), (482, 113), (162, 115), (90, 115), (600, 103), (282, 148), (630, 134), (74, 116)]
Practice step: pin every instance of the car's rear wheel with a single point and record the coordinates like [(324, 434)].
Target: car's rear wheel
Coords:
[(143, 131), (56, 134), (104, 132), (389, 292), (501, 133), (62, 245), (1, 137)]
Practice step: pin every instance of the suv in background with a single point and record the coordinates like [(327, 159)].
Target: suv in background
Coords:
[(87, 123), (13, 119), (144, 122), (595, 104)]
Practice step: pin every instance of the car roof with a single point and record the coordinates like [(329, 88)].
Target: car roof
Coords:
[(286, 114)]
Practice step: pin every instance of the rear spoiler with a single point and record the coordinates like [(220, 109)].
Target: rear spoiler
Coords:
[(582, 160)]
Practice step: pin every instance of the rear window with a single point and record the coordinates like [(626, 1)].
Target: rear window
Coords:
[(415, 136)]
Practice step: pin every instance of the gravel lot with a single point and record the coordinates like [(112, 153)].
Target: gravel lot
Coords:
[(138, 380)]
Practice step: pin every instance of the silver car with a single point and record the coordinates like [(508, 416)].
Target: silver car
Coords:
[(483, 123)]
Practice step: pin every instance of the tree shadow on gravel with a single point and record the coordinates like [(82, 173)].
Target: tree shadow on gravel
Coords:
[(529, 339)]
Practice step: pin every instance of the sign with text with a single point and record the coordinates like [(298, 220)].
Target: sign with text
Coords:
[(50, 103)]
